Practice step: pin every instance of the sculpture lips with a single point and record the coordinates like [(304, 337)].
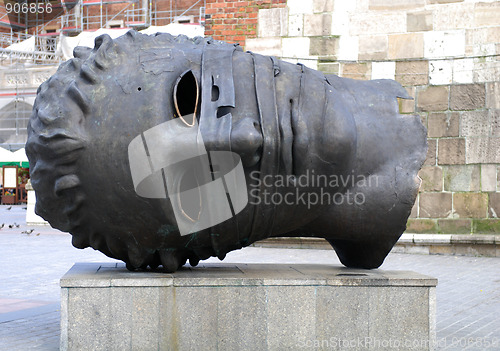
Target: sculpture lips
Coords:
[(287, 138)]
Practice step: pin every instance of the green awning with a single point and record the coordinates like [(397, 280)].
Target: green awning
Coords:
[(21, 164)]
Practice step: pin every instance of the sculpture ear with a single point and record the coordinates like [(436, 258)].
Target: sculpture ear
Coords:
[(186, 95)]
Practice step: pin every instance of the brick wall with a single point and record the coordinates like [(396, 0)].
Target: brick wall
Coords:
[(234, 20), (446, 53)]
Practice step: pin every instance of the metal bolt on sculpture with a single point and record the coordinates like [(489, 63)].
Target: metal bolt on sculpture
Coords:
[(157, 149)]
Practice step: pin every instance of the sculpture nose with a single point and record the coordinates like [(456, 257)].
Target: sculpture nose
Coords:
[(247, 140)]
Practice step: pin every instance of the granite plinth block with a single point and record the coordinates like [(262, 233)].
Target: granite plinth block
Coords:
[(246, 307)]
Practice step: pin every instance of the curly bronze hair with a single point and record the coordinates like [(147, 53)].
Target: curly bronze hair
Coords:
[(57, 138)]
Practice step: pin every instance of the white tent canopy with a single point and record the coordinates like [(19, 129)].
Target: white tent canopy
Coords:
[(67, 44), (188, 29), (20, 155), (17, 156), (27, 45), (6, 155)]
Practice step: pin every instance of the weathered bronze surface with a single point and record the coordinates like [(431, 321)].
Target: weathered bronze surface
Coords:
[(320, 156)]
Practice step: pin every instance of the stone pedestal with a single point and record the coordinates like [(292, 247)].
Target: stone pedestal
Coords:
[(246, 307)]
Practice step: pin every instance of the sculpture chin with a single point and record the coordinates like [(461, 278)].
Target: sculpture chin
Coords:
[(278, 119)]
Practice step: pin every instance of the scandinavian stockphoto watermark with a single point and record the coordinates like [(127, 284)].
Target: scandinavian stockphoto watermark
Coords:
[(205, 188), (309, 189), (33, 13), (374, 343), (368, 342)]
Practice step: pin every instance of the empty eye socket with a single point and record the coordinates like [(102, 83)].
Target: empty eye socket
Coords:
[(186, 95)]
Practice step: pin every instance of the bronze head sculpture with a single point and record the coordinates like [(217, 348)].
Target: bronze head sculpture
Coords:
[(266, 149)]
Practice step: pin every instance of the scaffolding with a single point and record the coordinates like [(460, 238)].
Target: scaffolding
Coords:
[(95, 14), (23, 68), (74, 17), (31, 56)]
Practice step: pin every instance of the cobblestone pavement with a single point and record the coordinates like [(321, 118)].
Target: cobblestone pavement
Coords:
[(468, 293)]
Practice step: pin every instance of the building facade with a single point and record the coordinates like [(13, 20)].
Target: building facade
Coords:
[(446, 53), (29, 41)]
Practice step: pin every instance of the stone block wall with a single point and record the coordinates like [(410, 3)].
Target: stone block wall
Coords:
[(446, 53)]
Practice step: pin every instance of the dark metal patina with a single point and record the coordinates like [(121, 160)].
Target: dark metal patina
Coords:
[(339, 159)]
